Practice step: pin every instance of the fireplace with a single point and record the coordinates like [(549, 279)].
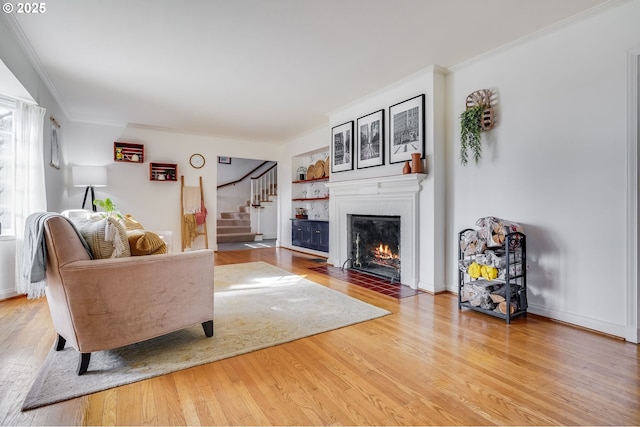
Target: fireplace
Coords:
[(392, 196), (375, 245)]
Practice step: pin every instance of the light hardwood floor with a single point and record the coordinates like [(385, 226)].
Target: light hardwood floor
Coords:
[(425, 364)]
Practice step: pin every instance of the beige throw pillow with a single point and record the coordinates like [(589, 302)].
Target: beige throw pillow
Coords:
[(106, 237)]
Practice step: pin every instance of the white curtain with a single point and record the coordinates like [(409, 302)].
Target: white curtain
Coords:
[(30, 194)]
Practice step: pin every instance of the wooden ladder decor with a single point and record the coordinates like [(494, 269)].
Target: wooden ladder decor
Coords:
[(187, 220)]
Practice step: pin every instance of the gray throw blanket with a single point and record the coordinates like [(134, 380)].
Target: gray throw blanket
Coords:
[(34, 253)]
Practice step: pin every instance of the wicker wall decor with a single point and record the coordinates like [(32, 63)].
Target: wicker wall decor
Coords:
[(483, 97)]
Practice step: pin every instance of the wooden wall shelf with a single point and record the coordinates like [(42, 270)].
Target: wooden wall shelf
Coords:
[(128, 152), (163, 172)]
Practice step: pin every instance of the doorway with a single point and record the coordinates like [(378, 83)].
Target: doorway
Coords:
[(246, 216)]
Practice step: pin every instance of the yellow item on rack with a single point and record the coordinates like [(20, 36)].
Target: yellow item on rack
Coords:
[(474, 270), (488, 272)]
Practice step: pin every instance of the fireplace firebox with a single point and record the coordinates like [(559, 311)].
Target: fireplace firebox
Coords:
[(375, 245)]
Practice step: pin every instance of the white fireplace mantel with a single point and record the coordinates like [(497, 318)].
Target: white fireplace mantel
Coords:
[(389, 195)]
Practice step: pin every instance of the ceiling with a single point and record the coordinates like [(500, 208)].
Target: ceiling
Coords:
[(261, 70)]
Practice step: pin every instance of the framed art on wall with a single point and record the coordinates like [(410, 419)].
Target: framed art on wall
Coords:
[(370, 140), (55, 144), (407, 129), (342, 147), (224, 160)]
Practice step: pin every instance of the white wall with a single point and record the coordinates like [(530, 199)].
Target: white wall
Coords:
[(555, 163), (156, 204)]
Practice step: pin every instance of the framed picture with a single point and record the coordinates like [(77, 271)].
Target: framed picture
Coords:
[(370, 140), (406, 133), (224, 160), (342, 147), (55, 144)]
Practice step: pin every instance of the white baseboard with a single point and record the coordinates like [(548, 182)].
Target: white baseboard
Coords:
[(578, 320), (7, 293)]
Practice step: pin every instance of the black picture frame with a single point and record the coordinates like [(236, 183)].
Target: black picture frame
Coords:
[(406, 129), (342, 147), (370, 140)]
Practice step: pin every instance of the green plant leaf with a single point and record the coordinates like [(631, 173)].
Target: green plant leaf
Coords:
[(470, 128)]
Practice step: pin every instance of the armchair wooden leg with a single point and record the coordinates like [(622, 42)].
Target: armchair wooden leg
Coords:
[(60, 343), (83, 365), (208, 328)]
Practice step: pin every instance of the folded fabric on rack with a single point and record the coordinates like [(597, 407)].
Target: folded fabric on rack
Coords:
[(191, 201)]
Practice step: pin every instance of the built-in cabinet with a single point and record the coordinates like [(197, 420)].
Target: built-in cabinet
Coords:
[(310, 202), (310, 234)]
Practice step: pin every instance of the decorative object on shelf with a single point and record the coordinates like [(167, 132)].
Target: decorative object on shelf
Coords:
[(478, 117), (302, 173), (342, 147), (197, 160), (407, 129), (416, 163), (311, 172), (128, 152), (406, 168), (370, 140), (327, 162), (224, 160), (301, 213), (89, 177), (319, 169)]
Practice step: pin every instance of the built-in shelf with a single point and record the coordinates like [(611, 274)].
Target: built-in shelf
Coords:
[(309, 199), (163, 172), (306, 181), (128, 152)]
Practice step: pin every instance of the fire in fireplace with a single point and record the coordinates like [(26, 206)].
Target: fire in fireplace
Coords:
[(375, 245)]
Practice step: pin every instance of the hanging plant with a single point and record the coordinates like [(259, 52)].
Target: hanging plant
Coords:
[(470, 128)]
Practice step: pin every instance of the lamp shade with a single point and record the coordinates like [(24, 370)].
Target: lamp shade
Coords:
[(89, 176)]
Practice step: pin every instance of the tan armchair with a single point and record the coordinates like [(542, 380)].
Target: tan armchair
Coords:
[(101, 304)]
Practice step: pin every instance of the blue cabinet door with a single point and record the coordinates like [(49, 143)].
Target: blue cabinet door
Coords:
[(310, 234)]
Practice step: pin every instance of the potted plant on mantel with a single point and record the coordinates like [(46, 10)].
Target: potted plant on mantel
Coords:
[(478, 117)]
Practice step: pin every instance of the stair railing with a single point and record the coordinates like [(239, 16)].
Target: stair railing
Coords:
[(263, 187)]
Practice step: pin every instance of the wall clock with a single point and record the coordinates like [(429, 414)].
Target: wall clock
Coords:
[(197, 160)]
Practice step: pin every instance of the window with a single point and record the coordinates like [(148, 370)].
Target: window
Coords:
[(7, 174)]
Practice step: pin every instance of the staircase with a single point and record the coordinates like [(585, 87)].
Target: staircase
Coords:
[(235, 226)]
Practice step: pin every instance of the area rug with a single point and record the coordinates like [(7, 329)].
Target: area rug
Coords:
[(257, 305)]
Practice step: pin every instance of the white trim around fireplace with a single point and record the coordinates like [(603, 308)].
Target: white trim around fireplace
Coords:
[(390, 195)]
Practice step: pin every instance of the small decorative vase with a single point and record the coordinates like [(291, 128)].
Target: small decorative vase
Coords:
[(416, 163), (407, 168)]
